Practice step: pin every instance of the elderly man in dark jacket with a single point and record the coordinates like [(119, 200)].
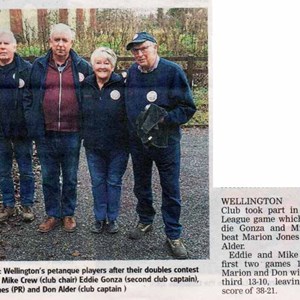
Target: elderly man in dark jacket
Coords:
[(158, 100), (52, 112), (14, 74)]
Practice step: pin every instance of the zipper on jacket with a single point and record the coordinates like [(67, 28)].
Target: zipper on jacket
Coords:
[(59, 97), (60, 71)]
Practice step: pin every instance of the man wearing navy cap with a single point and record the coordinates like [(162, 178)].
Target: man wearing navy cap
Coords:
[(156, 82)]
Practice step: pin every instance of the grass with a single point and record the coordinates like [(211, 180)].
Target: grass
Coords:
[(201, 117)]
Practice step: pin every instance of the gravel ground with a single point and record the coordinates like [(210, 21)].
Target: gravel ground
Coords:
[(21, 241)]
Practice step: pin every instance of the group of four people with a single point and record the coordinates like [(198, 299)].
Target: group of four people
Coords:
[(61, 99)]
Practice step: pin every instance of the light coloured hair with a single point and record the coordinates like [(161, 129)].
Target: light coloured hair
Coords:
[(104, 52), (151, 43), (62, 28), (8, 33)]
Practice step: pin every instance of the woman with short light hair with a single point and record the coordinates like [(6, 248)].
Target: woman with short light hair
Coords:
[(104, 130)]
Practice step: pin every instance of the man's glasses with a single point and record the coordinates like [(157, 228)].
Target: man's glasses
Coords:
[(142, 49)]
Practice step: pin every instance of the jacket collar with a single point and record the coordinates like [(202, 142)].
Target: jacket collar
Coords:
[(21, 64), (46, 58)]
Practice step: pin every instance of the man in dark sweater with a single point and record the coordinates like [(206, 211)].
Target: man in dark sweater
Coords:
[(14, 142), (156, 81), (53, 119)]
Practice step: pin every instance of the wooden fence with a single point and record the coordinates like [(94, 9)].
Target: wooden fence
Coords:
[(189, 64)]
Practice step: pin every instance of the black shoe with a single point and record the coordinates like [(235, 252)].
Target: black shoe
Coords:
[(139, 231), (112, 227), (98, 227)]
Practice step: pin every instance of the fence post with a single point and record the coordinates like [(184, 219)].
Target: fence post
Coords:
[(190, 69)]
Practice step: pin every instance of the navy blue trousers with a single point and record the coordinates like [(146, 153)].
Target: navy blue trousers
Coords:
[(167, 161)]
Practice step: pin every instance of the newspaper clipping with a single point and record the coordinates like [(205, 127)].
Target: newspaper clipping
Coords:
[(239, 158)]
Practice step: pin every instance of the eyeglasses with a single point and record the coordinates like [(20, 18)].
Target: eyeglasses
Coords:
[(142, 49)]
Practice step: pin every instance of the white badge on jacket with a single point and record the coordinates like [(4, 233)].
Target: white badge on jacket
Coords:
[(21, 81), (152, 96), (81, 77), (115, 95)]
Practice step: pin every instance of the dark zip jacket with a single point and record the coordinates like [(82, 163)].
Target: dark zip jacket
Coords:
[(168, 88), (104, 122), (12, 121), (34, 98)]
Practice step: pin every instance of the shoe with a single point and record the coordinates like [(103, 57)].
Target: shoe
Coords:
[(69, 224), (49, 224), (98, 227), (6, 213), (27, 213), (112, 227), (139, 231), (178, 249)]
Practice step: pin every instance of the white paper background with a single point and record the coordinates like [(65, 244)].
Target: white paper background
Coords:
[(255, 92)]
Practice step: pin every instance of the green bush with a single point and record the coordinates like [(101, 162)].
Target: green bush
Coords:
[(201, 117), (26, 51)]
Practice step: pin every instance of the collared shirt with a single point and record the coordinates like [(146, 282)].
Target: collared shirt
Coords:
[(60, 67), (152, 68)]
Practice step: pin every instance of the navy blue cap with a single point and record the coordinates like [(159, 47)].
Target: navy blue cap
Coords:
[(140, 37)]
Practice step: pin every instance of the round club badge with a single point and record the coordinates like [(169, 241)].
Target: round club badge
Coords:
[(115, 95), (151, 96), (21, 83), (81, 77)]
